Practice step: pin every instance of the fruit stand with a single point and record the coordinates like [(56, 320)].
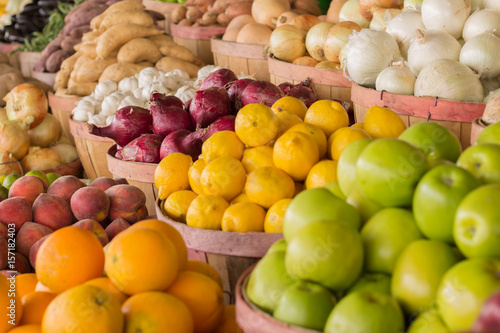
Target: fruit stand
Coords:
[(211, 166)]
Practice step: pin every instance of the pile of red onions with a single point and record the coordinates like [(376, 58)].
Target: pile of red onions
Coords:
[(303, 91), (219, 78), (262, 92)]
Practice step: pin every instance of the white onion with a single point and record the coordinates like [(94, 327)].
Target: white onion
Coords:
[(476, 5), (316, 38), (402, 27), (369, 53), (412, 4), (446, 78), (447, 15), (482, 21), (495, 4), (431, 45), (482, 54), (396, 79), (382, 16), (350, 12)]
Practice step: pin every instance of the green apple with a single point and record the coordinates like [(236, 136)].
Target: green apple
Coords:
[(326, 252), (435, 140), (346, 165), (366, 207), (385, 236), (335, 189), (39, 174), (10, 179), (436, 200), (477, 223), (279, 245), (388, 170), (4, 193), (378, 282), (483, 161), (464, 289), (366, 311), (313, 205), (2, 177), (417, 274), (51, 176), (428, 322), (268, 280), (490, 134), (305, 304)]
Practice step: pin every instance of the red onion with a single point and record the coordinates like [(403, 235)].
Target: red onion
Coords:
[(145, 148), (235, 90), (181, 141), (169, 119), (225, 123), (286, 86), (304, 93), (208, 105), (262, 92), (346, 105), (118, 153), (187, 104), (129, 123), (219, 78), (165, 100)]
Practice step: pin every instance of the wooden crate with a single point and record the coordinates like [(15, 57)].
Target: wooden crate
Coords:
[(196, 39), (165, 8), (27, 61), (72, 169), (243, 59), (92, 149), (327, 83), (61, 106), (230, 253), (456, 116)]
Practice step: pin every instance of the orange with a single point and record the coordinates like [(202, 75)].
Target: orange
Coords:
[(171, 174), (256, 157), (274, 216), (222, 144), (224, 176), (229, 324), (194, 175), (34, 305), (205, 269), (256, 125), (25, 283), (177, 204), (27, 329), (290, 104), (15, 312), (203, 297), (327, 115), (156, 312), (358, 125), (83, 309), (342, 138), (314, 133), (286, 120), (69, 257), (206, 212), (168, 231), (243, 217), (243, 197), (106, 284), (322, 173), (381, 122), (266, 185), (295, 153), (141, 259)]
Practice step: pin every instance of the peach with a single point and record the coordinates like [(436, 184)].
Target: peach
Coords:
[(28, 187), (115, 227), (131, 217), (103, 183), (28, 235), (94, 227), (21, 263), (51, 211), (121, 180), (34, 250), (4, 251), (125, 198), (15, 211), (90, 203), (64, 187), (4, 231), (9, 273)]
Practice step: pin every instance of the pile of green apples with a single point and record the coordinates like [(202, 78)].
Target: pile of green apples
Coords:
[(408, 239)]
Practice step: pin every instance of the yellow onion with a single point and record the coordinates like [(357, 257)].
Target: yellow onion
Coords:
[(334, 10), (47, 132), (350, 12), (368, 7), (337, 38), (14, 138), (305, 21), (287, 42), (316, 38), (285, 18), (40, 159), (67, 152), (382, 16), (8, 164), (329, 65), (26, 103), (305, 61), (267, 11)]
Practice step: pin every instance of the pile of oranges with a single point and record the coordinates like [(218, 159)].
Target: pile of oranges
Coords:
[(141, 282), (244, 180)]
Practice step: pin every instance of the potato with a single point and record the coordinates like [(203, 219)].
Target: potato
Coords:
[(161, 40), (130, 5), (88, 49), (121, 70), (90, 71), (182, 53), (139, 49), (62, 76), (90, 36), (167, 64), (119, 34), (125, 16), (80, 89)]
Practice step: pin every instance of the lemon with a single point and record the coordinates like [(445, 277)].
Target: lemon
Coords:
[(358, 125), (327, 115), (381, 122), (243, 217), (242, 197), (290, 104), (274, 216), (315, 133), (322, 173), (206, 212), (221, 144), (256, 125), (177, 204), (341, 138), (171, 174), (256, 157), (224, 176), (194, 175), (266, 185), (286, 120)]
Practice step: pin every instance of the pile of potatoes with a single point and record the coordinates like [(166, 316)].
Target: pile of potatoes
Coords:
[(124, 39)]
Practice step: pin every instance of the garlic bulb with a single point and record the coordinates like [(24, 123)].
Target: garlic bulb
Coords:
[(431, 45), (104, 88), (482, 21), (98, 120), (185, 93), (449, 79), (382, 16), (146, 76), (447, 15), (402, 27), (412, 4), (170, 82), (110, 103), (137, 93), (370, 52), (183, 75), (84, 109), (396, 79), (494, 4), (482, 54), (350, 12), (154, 86), (131, 101), (128, 84)]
